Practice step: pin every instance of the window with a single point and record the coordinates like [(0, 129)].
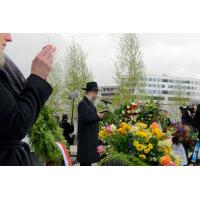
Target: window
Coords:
[(165, 92), (159, 98)]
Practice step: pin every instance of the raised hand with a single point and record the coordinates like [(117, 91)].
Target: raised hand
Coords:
[(42, 63)]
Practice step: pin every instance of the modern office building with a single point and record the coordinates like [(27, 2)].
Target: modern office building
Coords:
[(164, 88)]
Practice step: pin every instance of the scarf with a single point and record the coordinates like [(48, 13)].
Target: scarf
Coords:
[(2, 59), (12, 76)]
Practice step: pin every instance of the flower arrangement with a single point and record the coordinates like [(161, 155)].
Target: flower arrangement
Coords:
[(143, 111), (129, 112), (140, 141)]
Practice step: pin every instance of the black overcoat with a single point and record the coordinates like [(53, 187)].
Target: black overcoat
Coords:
[(17, 115), (88, 128), (68, 129)]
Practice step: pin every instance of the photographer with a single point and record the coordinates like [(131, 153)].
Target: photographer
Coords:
[(191, 116)]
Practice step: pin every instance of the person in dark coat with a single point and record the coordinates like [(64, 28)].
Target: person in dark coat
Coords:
[(20, 103), (88, 127), (68, 130)]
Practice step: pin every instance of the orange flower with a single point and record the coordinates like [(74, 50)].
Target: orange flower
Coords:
[(165, 160), (122, 130), (154, 125)]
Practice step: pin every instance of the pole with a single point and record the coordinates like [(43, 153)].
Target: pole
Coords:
[(72, 117)]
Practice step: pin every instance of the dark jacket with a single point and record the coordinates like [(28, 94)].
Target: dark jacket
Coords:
[(17, 115), (88, 128), (68, 129), (192, 121)]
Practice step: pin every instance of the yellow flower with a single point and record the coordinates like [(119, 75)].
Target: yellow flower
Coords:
[(150, 146), (139, 147), (142, 156), (157, 132), (147, 150), (135, 143), (141, 125), (142, 134), (165, 146), (124, 127), (102, 134)]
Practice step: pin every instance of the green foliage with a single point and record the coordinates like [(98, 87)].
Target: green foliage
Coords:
[(120, 143), (57, 100), (120, 158), (149, 112), (43, 136), (77, 74), (129, 69), (110, 118)]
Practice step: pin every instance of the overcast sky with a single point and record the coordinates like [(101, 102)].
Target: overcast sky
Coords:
[(171, 54)]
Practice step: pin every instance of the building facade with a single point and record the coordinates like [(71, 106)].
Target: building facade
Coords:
[(166, 89)]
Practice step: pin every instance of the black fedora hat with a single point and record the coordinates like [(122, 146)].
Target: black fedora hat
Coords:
[(91, 86)]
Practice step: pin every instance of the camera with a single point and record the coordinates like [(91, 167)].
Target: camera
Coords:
[(185, 109), (191, 116)]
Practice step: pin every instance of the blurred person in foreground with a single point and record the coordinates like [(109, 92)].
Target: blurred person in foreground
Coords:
[(89, 147), (21, 102)]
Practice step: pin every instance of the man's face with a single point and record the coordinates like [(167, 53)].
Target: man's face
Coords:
[(4, 38), (94, 94)]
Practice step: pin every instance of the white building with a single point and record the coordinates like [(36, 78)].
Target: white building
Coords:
[(164, 88)]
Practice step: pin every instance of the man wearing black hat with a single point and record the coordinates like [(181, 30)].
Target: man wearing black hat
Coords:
[(88, 127)]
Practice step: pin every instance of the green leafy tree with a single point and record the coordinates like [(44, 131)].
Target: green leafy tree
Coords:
[(57, 100), (76, 71), (129, 69)]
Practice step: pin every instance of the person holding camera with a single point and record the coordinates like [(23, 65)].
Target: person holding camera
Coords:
[(21, 102), (191, 115)]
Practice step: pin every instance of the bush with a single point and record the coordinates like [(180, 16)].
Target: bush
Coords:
[(44, 134)]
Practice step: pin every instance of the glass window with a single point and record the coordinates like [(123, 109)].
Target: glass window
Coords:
[(165, 92)]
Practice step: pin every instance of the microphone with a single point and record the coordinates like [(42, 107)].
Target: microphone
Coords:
[(106, 101)]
